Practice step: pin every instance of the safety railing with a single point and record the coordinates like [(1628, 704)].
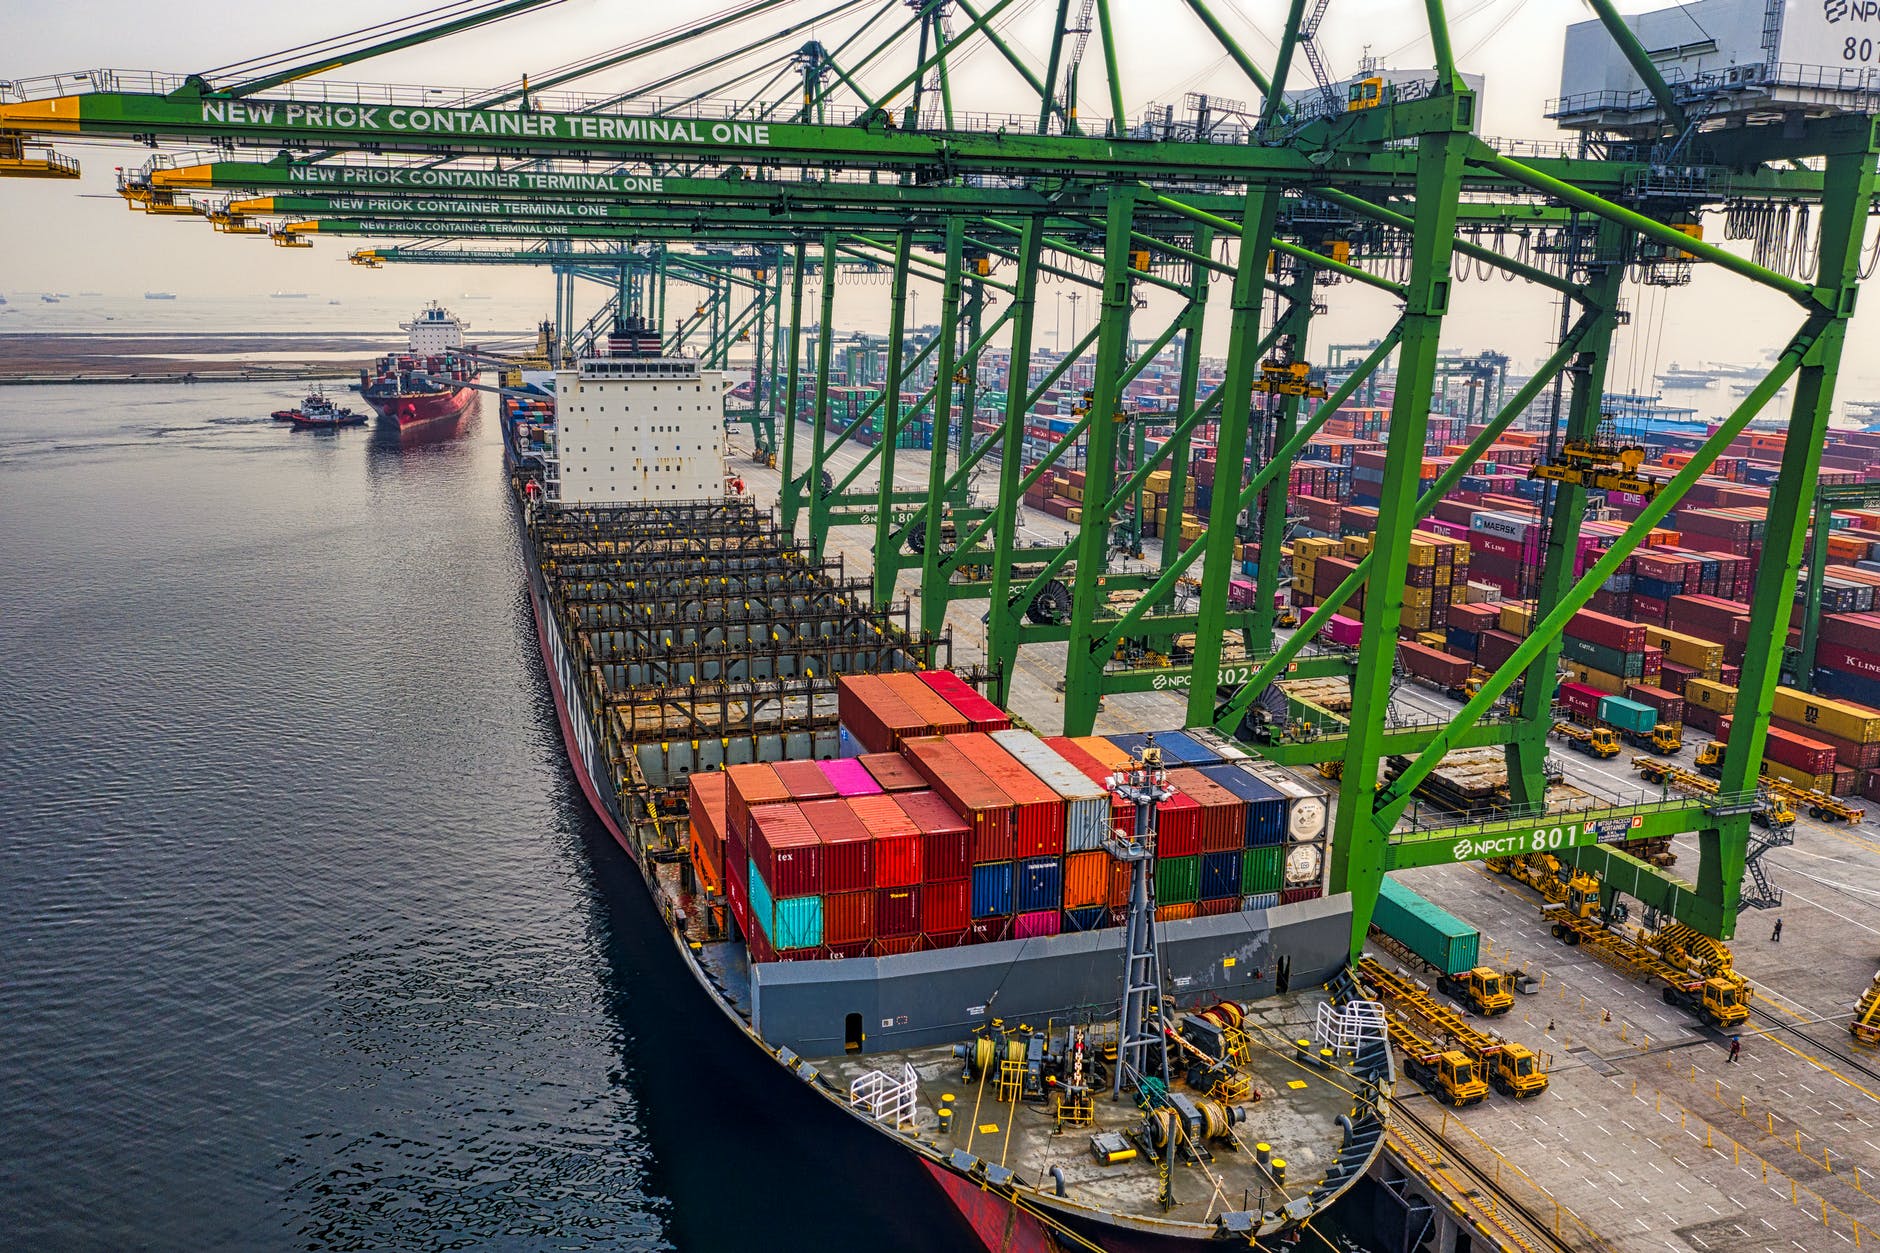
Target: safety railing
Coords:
[(886, 1098)]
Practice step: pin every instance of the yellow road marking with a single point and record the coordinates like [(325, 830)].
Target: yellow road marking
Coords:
[(1818, 1064)]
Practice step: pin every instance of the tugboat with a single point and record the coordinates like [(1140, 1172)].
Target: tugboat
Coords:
[(318, 413), (428, 380)]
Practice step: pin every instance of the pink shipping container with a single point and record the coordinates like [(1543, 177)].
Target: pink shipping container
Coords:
[(897, 839), (751, 785), (980, 713), (1038, 819), (786, 851), (1581, 699), (848, 847), (1343, 631), (849, 777), (1037, 922), (805, 779), (945, 837), (892, 771), (1223, 815), (984, 805)]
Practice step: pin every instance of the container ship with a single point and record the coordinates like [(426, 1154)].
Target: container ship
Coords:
[(429, 380), (1094, 986)]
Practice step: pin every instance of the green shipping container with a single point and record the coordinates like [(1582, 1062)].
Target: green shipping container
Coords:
[(1599, 657), (1178, 880), (1260, 870), (1426, 929), (1627, 715)]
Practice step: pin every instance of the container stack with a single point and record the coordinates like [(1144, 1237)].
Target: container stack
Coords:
[(968, 837)]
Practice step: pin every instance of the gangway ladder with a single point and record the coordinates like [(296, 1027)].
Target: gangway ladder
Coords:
[(1346, 1029), (886, 1098), (1759, 893)]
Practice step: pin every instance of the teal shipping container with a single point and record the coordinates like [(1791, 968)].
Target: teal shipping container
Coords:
[(1426, 929), (1627, 715), (791, 923)]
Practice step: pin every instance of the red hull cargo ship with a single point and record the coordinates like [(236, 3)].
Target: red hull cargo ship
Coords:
[(430, 379)]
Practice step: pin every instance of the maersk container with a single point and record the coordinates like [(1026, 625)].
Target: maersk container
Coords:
[(1426, 929), (1178, 880), (1627, 715), (992, 889)]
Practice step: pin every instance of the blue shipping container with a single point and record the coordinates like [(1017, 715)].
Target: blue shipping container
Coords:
[(992, 889), (1220, 875), (1840, 685), (1266, 808), (1091, 919), (1461, 642), (1179, 749), (1040, 883)]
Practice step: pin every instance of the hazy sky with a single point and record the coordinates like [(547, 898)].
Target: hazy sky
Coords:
[(59, 239)]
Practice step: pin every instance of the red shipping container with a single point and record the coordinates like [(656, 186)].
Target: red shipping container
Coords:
[(848, 847), (896, 945), (877, 718), (1847, 660), (980, 713), (1857, 632), (1846, 752), (942, 939), (1178, 827), (1223, 815), (752, 784), (897, 839), (1434, 664), (1224, 905), (1799, 752), (1845, 779), (893, 772), (854, 948), (804, 779), (848, 918), (946, 907), (897, 911), (1581, 699), (986, 807), (941, 717), (706, 796), (1670, 705), (786, 851), (1493, 648), (1122, 812), (945, 838), (1038, 819), (986, 930), (1614, 633)]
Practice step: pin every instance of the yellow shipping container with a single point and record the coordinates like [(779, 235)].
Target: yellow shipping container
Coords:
[(1837, 717), (1515, 616), (1357, 545), (1416, 617), (1611, 684), (1073, 491), (1445, 575), (1711, 695), (1157, 482), (1433, 639), (1074, 515), (1687, 650), (1418, 596), (1193, 530), (1819, 782), (1422, 553)]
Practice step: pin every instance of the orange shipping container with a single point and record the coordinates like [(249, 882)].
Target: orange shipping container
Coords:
[(1173, 913), (1086, 880)]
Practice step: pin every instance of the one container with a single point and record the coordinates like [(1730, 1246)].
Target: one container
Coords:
[(941, 718), (848, 917), (793, 922), (1040, 883), (1220, 875), (751, 785), (989, 930), (877, 718), (1179, 748), (1035, 923), (1305, 863), (805, 780), (946, 907), (1086, 880), (848, 846), (706, 794), (1223, 814), (786, 851), (897, 911), (945, 838), (993, 884), (897, 839), (893, 772), (985, 806), (1178, 880), (1038, 810), (1178, 827), (1803, 754), (980, 713), (1627, 715), (1293, 896), (1260, 869), (1265, 808), (1176, 911), (1086, 806), (849, 777), (1091, 919), (1426, 929)]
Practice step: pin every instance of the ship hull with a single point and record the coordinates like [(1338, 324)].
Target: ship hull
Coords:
[(407, 409)]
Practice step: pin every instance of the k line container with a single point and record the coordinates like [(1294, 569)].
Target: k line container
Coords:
[(897, 839), (849, 777), (848, 847), (945, 837), (1426, 929), (786, 851), (993, 889), (1086, 806), (985, 806)]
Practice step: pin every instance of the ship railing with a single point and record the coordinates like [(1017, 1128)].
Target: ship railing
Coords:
[(886, 1098)]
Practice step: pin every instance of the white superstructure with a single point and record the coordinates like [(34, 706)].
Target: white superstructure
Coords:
[(435, 330), (637, 429)]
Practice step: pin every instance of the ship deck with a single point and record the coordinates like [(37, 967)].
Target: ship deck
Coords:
[(1293, 1109)]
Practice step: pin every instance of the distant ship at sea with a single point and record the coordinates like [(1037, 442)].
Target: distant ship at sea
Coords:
[(287, 295), (159, 295)]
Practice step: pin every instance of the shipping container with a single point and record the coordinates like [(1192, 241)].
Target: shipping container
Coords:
[(785, 849), (1837, 717), (1038, 811), (946, 906), (1306, 802), (1040, 883), (1178, 879), (848, 918), (986, 808), (705, 803), (751, 784), (849, 777), (897, 839), (1305, 863), (940, 716), (1122, 812), (1086, 881), (993, 884), (897, 911), (805, 780), (1034, 923), (1670, 705), (877, 718), (793, 922), (893, 772), (1627, 715), (1176, 912), (1434, 666), (1223, 814), (1265, 807), (1178, 827), (980, 713), (1086, 806), (848, 847), (1220, 875), (1094, 918), (1789, 749), (1614, 633), (1426, 929), (946, 838)]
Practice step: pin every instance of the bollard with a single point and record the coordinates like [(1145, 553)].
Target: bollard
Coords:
[(1706, 1135), (1826, 1164), (1772, 1124), (1798, 1140), (1743, 1106)]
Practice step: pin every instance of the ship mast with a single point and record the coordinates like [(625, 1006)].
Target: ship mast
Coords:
[(1145, 785)]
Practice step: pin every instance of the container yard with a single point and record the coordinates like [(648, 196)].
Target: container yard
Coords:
[(1173, 796)]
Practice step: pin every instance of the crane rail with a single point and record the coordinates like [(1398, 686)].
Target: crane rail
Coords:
[(1512, 1223)]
